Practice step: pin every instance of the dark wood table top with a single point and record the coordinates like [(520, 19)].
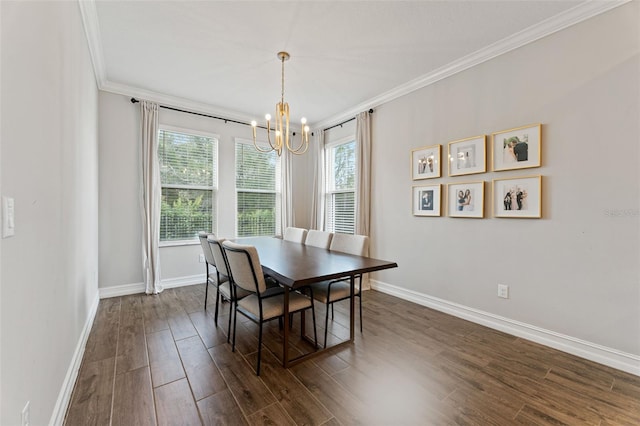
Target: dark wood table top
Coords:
[(296, 265)]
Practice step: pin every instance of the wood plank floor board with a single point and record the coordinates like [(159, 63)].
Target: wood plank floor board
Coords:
[(203, 375), (628, 386), (154, 314), (164, 360), (297, 401), (342, 403), (92, 396), (181, 326), (175, 404), (210, 334), (132, 348), (103, 338), (133, 402), (274, 414), (221, 409), (161, 359), (250, 391)]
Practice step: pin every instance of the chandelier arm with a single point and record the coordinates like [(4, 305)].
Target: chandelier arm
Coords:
[(304, 142), (260, 149)]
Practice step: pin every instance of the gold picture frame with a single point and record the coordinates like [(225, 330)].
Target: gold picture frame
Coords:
[(427, 200), (465, 199), (517, 148), (519, 197), (467, 156), (425, 162)]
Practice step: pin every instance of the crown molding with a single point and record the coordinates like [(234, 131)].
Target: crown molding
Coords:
[(92, 31), (174, 101), (573, 16), (552, 25)]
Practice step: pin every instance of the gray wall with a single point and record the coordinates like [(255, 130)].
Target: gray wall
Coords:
[(575, 271), (49, 165)]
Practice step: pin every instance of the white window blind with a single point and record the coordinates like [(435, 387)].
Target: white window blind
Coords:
[(341, 171), (257, 191), (188, 175)]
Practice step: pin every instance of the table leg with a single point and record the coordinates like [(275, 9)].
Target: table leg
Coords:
[(352, 281), (285, 338)]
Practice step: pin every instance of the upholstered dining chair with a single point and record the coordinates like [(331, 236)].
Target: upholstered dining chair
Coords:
[(329, 292), (295, 235), (264, 304), (213, 277), (320, 239), (226, 291)]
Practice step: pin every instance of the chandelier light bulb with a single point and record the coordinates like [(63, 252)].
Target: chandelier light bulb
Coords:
[(303, 121), (253, 123), (267, 117)]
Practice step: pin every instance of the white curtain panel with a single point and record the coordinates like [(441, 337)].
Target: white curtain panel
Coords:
[(363, 179), (150, 195), (318, 198)]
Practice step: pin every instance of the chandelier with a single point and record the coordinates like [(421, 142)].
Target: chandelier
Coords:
[(281, 137)]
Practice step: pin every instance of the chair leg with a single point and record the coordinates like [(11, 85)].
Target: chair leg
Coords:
[(326, 326), (360, 297), (206, 293), (215, 315), (231, 310), (315, 333), (235, 319), (259, 350)]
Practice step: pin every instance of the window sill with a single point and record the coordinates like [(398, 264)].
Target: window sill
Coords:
[(164, 244)]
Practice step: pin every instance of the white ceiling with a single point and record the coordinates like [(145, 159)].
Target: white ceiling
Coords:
[(346, 56)]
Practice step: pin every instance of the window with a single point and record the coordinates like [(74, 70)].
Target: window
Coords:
[(188, 175), (341, 186), (257, 191)]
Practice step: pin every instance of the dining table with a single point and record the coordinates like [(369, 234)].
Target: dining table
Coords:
[(294, 266)]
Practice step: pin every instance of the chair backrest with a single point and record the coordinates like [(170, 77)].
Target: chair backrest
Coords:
[(320, 239), (216, 249), (206, 249), (244, 267), (351, 244), (296, 235)]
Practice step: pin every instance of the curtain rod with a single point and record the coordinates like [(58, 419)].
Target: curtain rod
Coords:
[(226, 120), (345, 121), (135, 101)]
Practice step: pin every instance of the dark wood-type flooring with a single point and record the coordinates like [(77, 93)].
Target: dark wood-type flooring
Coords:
[(161, 360)]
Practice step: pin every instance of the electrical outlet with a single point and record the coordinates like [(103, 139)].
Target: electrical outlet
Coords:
[(201, 258), (503, 291), (26, 414)]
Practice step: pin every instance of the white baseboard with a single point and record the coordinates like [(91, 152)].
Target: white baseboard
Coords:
[(601, 354), (64, 397), (136, 288)]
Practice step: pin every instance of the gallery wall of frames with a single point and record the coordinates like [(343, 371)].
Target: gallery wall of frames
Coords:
[(513, 196)]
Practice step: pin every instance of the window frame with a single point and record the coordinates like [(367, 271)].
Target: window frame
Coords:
[(214, 188), (330, 190), (278, 183)]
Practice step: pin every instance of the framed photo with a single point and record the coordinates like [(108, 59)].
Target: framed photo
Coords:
[(465, 199), (518, 197), (425, 162), (468, 156), (517, 148), (426, 200)]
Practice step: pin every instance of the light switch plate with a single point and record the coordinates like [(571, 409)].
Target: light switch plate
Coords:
[(8, 217)]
